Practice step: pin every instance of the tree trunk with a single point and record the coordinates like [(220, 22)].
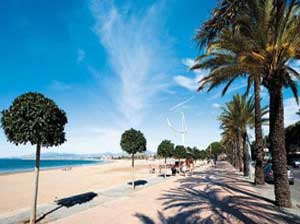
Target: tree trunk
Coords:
[(236, 155), (165, 167), (230, 156), (132, 165), (246, 156), (259, 171), (239, 154), (277, 146), (36, 184), (233, 154)]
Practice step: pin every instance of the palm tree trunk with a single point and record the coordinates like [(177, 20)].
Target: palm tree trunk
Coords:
[(246, 156), (239, 154), (277, 146), (259, 172), (232, 154), (36, 185), (235, 164), (132, 165)]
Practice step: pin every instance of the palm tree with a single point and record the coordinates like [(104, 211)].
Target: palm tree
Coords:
[(231, 133), (230, 144), (227, 61), (231, 14), (237, 116), (271, 28), (283, 47), (279, 46)]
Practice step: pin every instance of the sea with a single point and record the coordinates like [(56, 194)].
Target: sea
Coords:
[(22, 165)]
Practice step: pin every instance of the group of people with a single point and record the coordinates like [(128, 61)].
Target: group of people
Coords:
[(181, 167), (185, 167), (212, 161)]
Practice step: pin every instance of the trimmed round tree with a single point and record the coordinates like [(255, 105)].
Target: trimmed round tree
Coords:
[(215, 149), (179, 152), (165, 150), (189, 152), (32, 118), (132, 142), (196, 154)]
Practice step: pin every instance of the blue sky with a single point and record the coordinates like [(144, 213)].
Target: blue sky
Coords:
[(111, 65)]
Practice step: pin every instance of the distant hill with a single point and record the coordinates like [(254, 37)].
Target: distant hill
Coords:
[(71, 156), (53, 155)]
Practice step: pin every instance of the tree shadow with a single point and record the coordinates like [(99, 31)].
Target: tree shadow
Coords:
[(167, 175), (69, 202), (138, 183), (201, 199)]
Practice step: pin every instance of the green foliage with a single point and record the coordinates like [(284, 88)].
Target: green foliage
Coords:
[(189, 152), (33, 118), (251, 38), (180, 152), (165, 149), (261, 38), (203, 154), (216, 148), (236, 116), (199, 154), (133, 141), (292, 137)]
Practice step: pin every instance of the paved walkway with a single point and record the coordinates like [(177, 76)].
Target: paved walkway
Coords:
[(215, 195), (212, 195), (77, 203)]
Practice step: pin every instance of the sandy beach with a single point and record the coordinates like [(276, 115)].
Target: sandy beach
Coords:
[(16, 189)]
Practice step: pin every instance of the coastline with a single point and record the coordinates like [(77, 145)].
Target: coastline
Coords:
[(42, 169)]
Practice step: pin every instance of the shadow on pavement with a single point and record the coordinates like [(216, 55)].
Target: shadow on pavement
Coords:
[(217, 196), (138, 183), (69, 202)]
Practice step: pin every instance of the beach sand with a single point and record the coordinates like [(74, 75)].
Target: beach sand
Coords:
[(16, 189)]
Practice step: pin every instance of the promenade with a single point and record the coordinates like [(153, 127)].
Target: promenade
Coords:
[(212, 195)]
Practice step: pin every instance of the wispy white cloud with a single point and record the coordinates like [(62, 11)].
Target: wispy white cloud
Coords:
[(138, 56), (80, 55), (59, 86), (188, 62), (216, 105), (193, 83), (182, 103), (94, 72), (190, 83)]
